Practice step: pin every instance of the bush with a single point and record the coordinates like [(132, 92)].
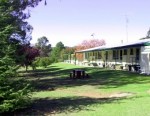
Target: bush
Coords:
[(14, 94), (42, 61)]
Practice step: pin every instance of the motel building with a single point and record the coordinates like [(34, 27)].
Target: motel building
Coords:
[(134, 56)]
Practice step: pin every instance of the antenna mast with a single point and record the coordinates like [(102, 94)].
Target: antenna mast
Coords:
[(127, 21)]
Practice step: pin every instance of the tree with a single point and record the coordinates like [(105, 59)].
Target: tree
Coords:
[(55, 55), (88, 44), (44, 46), (60, 46), (14, 30), (147, 36), (27, 54), (66, 53), (42, 61)]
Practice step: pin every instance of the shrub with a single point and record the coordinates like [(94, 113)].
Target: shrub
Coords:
[(42, 61), (14, 94)]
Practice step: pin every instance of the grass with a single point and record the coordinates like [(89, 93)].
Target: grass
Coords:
[(56, 94)]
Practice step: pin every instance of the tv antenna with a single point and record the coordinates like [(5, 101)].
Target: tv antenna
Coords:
[(93, 34), (126, 21)]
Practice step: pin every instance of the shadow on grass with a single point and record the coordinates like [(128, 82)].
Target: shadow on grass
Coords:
[(109, 78), (49, 71), (55, 77), (66, 105)]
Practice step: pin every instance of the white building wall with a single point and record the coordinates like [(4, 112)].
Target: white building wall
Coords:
[(145, 60)]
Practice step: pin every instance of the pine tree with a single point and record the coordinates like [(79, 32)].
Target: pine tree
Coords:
[(14, 30)]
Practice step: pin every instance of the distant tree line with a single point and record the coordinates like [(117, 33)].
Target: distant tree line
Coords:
[(42, 53)]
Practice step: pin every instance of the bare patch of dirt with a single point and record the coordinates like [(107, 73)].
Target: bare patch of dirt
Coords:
[(121, 94), (92, 95), (98, 95), (112, 95), (148, 91)]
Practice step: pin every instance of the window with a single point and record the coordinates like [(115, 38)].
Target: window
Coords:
[(99, 55), (96, 55), (137, 54), (120, 54), (137, 51), (125, 51), (131, 51), (91, 54), (86, 55), (115, 54), (106, 55)]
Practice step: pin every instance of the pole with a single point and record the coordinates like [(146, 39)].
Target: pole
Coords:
[(75, 58), (70, 58), (126, 18)]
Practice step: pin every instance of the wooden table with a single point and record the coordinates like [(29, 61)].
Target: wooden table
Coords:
[(78, 74)]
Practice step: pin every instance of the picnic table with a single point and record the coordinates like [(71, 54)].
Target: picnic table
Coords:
[(134, 68), (78, 73)]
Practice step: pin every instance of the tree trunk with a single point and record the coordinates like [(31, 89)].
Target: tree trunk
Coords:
[(26, 67)]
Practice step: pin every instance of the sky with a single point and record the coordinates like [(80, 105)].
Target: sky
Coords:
[(72, 21)]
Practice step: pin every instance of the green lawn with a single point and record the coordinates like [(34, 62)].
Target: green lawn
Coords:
[(56, 94)]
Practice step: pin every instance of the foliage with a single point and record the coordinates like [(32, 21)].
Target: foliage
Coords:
[(88, 44), (28, 55), (45, 61), (65, 53), (55, 55), (147, 36), (92, 43), (14, 31), (42, 61), (44, 46), (60, 46), (14, 94)]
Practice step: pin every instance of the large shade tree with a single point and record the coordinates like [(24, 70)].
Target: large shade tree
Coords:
[(44, 46), (14, 30)]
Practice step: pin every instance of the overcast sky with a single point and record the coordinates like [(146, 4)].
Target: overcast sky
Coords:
[(72, 21)]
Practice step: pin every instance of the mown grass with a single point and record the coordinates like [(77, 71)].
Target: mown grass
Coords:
[(57, 94)]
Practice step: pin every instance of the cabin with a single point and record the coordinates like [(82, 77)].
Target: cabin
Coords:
[(133, 56)]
